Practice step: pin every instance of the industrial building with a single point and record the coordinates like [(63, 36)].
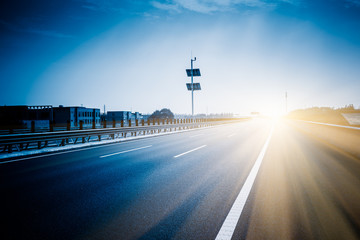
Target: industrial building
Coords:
[(42, 117), (22, 116), (75, 116), (123, 116)]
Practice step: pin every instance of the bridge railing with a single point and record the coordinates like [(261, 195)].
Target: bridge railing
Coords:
[(25, 141)]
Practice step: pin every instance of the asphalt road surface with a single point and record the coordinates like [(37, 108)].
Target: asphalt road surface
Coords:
[(185, 185)]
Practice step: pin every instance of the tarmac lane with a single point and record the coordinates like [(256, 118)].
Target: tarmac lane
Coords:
[(306, 189)]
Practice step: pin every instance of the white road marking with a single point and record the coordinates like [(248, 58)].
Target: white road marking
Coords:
[(228, 227), (130, 150), (189, 151), (196, 135), (58, 153), (231, 135)]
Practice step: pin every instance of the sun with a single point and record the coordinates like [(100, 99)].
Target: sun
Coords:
[(274, 114)]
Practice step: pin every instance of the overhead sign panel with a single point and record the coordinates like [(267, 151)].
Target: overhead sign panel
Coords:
[(196, 86), (196, 72)]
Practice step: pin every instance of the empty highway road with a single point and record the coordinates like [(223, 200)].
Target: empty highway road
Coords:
[(255, 179)]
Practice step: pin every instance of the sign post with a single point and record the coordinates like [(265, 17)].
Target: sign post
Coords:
[(193, 86)]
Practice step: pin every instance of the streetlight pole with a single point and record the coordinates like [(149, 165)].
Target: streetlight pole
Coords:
[(192, 87)]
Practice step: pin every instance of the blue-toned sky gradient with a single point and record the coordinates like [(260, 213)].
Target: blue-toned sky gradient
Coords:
[(132, 55)]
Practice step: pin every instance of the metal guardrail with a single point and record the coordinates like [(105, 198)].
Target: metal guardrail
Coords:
[(23, 141), (331, 125), (346, 138)]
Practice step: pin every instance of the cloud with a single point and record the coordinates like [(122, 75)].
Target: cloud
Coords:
[(209, 6), (166, 6), (48, 33), (103, 5), (354, 2)]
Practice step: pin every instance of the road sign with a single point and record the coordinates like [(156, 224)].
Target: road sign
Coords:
[(196, 72), (196, 86)]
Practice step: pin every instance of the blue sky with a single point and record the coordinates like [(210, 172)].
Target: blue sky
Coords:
[(132, 55)]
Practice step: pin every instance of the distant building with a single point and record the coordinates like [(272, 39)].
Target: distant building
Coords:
[(76, 115), (22, 116), (123, 116), (12, 117), (137, 116)]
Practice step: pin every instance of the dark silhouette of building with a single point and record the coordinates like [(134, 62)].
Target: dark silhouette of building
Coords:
[(22, 117), (16, 117)]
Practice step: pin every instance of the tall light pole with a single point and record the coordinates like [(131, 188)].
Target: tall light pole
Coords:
[(192, 89), (193, 86)]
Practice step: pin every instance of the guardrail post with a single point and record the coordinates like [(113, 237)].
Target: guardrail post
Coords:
[(32, 126), (9, 148), (68, 125), (129, 122), (104, 124), (153, 121), (114, 123), (51, 126), (81, 125), (148, 122), (158, 121), (163, 121), (122, 123), (136, 122), (142, 122), (93, 124)]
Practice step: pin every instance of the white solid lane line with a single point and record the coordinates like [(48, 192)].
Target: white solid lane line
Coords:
[(189, 151), (228, 227), (130, 150)]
